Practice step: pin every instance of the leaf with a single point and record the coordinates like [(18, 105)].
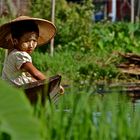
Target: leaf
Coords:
[(101, 45), (16, 115)]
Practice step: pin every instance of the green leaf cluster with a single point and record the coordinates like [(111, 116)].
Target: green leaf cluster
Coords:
[(16, 116)]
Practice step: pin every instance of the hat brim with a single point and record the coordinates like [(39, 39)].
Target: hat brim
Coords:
[(47, 30)]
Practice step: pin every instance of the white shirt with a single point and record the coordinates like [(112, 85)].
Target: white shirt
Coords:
[(12, 71)]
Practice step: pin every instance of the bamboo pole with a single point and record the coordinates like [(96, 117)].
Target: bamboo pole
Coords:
[(132, 11), (113, 10), (132, 16), (53, 20), (138, 10)]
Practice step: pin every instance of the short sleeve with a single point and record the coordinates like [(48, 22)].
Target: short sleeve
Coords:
[(21, 58)]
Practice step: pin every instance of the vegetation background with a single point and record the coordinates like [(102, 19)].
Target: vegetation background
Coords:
[(85, 53)]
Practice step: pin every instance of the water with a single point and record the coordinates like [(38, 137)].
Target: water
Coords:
[(130, 90)]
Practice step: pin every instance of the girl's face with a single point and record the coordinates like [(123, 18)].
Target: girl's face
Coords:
[(28, 42)]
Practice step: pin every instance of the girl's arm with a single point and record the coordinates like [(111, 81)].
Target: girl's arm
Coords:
[(29, 67)]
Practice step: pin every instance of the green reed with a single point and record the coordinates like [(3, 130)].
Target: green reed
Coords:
[(81, 115)]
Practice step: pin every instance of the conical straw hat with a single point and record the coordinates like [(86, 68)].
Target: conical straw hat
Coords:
[(47, 30)]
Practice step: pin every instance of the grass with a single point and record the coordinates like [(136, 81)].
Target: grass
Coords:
[(82, 115)]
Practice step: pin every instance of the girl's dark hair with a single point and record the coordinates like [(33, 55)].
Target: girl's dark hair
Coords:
[(21, 27)]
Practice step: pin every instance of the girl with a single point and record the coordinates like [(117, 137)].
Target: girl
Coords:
[(23, 35)]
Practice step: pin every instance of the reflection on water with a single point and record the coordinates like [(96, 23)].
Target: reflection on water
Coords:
[(132, 91), (135, 103)]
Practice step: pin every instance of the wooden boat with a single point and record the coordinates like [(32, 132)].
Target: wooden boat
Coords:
[(43, 90)]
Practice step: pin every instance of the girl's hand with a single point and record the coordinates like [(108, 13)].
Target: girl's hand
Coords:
[(61, 90)]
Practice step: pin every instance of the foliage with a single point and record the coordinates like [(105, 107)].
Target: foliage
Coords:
[(116, 36), (93, 46), (82, 115), (77, 31), (40, 8), (75, 18), (40, 61), (69, 20), (16, 116), (4, 20), (78, 115)]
